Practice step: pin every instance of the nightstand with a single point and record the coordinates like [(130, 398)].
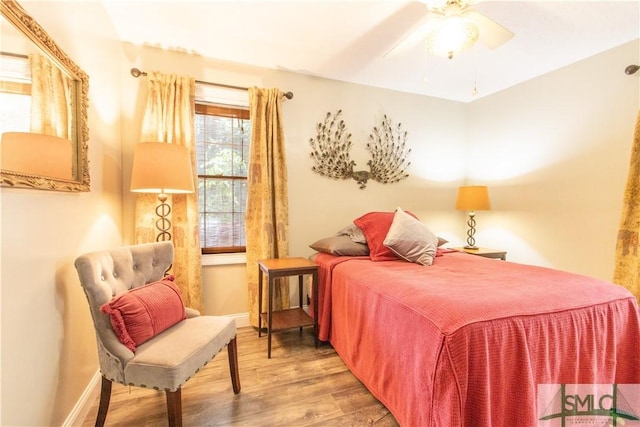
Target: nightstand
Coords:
[(292, 317), (485, 252)]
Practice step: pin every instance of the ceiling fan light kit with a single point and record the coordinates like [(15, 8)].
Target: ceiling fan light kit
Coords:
[(451, 36), (455, 27), (449, 27)]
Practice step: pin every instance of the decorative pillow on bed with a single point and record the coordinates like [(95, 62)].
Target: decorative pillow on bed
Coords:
[(375, 226), (145, 311), (410, 239), (340, 245), (357, 235)]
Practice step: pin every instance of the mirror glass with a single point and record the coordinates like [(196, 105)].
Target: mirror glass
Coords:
[(43, 108)]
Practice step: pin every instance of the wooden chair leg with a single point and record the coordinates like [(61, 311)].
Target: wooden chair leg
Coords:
[(174, 407), (105, 398), (232, 348)]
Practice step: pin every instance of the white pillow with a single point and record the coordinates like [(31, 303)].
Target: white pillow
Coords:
[(410, 239)]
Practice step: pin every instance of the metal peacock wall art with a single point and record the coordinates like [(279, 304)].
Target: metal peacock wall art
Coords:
[(387, 147)]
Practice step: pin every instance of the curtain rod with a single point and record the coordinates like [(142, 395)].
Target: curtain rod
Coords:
[(135, 72), (631, 69), (14, 55)]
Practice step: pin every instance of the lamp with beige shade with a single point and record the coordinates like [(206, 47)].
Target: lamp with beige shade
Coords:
[(162, 168)]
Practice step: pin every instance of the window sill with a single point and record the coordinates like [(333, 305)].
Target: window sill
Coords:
[(224, 259)]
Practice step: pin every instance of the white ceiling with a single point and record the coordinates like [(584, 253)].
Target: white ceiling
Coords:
[(347, 40)]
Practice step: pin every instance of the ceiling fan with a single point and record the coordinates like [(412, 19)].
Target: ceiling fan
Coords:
[(451, 26)]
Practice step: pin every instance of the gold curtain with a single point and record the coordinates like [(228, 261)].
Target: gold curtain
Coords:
[(169, 117), (267, 217), (50, 98), (627, 264)]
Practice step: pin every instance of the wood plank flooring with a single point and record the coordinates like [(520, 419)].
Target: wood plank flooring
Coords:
[(299, 386)]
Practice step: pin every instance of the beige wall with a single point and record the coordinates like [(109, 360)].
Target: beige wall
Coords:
[(225, 289), (554, 151), (48, 346)]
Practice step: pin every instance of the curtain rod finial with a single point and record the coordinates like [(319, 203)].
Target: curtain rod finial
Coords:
[(631, 69), (135, 72)]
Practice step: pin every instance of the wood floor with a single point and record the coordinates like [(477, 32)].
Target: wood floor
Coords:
[(299, 386)]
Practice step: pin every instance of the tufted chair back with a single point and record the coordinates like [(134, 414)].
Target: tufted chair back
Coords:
[(165, 361), (107, 274)]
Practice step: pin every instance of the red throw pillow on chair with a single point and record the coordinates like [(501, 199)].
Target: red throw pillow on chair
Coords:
[(145, 311)]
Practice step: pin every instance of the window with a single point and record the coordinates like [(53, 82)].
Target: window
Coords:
[(15, 93), (223, 134)]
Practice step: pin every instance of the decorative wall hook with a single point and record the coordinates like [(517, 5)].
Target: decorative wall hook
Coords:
[(331, 146)]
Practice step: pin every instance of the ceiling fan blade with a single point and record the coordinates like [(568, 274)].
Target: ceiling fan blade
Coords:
[(410, 41), (492, 34), (414, 33)]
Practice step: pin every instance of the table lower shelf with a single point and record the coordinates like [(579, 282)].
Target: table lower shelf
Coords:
[(287, 319)]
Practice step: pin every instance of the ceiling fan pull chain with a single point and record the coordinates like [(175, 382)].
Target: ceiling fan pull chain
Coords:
[(425, 78), (474, 91)]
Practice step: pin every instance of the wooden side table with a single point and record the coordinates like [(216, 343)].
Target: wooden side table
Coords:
[(485, 252), (292, 317)]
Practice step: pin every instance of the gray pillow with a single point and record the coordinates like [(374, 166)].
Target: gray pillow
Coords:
[(340, 245), (354, 232), (410, 239)]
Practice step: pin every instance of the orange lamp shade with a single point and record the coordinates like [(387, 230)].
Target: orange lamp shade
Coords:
[(161, 167), (473, 198)]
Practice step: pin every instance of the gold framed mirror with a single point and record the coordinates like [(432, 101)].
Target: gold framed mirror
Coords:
[(52, 154)]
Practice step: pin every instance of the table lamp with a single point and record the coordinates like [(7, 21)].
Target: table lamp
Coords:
[(472, 198), (162, 168)]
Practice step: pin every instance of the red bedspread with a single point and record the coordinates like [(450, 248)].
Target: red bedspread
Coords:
[(466, 341)]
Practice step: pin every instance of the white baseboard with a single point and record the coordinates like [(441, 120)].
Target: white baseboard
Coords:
[(83, 405), (242, 320)]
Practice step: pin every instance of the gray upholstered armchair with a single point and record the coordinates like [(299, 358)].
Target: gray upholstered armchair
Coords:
[(165, 361)]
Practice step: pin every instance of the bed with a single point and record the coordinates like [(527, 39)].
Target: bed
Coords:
[(466, 341)]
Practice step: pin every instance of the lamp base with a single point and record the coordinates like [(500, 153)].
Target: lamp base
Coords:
[(471, 241), (473, 248), (163, 223)]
